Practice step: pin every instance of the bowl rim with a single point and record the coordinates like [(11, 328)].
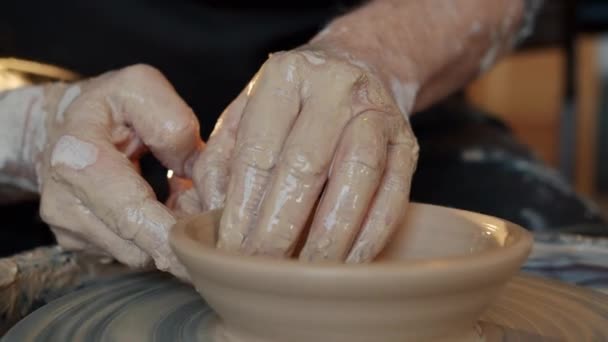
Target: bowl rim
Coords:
[(443, 268)]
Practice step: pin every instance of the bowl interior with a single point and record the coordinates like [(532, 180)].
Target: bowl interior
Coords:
[(434, 279), (431, 232), (428, 232)]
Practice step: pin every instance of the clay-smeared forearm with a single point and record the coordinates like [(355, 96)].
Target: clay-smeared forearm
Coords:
[(23, 132), (427, 49)]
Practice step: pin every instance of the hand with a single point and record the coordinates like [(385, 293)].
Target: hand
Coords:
[(92, 194), (313, 126)]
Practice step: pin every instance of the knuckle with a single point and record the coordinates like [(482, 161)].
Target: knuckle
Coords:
[(349, 69), (214, 155), (369, 168), (415, 150), (129, 223), (67, 242), (396, 183), (412, 147), (277, 57), (57, 171), (310, 57), (347, 217), (277, 62), (303, 163), (47, 212), (287, 58), (367, 152), (140, 72), (208, 167), (282, 72), (133, 257), (406, 148), (261, 155), (49, 209), (374, 221), (402, 159), (177, 129), (370, 151), (351, 74)]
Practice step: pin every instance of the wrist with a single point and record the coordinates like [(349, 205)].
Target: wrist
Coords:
[(432, 46), (21, 115), (402, 82), (376, 35), (24, 114), (368, 53)]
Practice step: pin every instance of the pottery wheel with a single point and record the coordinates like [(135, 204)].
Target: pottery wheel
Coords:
[(155, 307)]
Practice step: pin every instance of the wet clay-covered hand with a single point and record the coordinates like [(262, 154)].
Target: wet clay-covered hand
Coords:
[(79, 148), (312, 125), (323, 131)]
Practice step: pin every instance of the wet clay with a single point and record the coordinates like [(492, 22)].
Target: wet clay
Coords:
[(438, 258)]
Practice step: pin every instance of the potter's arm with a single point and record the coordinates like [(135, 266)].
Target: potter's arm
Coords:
[(436, 45)]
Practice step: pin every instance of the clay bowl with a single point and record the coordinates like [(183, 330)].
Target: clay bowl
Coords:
[(432, 282)]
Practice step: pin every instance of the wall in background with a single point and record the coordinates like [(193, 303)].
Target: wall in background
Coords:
[(602, 129), (526, 91)]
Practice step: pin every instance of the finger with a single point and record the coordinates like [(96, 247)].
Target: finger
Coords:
[(187, 204), (388, 208), (106, 183), (299, 177), (127, 141), (183, 200), (355, 176), (77, 228), (141, 98), (68, 240), (97, 239), (55, 205), (73, 241), (266, 122), (101, 236), (211, 169), (178, 184)]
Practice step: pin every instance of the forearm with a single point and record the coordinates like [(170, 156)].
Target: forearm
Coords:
[(427, 49), (22, 136)]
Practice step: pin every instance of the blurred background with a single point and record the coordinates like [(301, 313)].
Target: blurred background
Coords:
[(551, 92), (540, 111)]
